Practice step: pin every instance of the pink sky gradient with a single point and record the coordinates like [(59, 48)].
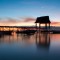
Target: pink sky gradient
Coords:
[(28, 21)]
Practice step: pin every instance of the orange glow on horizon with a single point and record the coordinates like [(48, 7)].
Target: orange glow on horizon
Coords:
[(28, 24)]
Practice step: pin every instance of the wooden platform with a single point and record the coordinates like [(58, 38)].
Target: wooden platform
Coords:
[(27, 31), (5, 32), (51, 31)]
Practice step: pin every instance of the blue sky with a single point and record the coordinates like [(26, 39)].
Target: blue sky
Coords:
[(30, 8)]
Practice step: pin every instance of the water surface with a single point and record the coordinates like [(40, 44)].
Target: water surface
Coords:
[(39, 46)]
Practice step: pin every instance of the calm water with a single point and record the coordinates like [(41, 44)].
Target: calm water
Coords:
[(28, 47)]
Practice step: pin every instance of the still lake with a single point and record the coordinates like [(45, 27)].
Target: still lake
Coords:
[(28, 47)]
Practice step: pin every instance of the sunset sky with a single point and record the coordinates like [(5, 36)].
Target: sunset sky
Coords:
[(24, 12)]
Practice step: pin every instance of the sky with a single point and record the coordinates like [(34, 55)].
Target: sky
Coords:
[(25, 10)]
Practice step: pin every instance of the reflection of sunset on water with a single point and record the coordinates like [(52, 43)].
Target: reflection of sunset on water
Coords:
[(55, 37), (32, 38)]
